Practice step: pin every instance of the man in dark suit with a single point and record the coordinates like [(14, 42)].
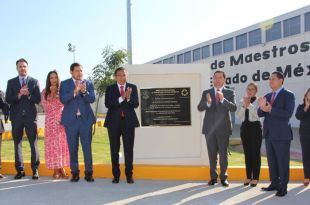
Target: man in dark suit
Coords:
[(277, 108), (121, 99), (22, 94), (218, 102), (77, 117)]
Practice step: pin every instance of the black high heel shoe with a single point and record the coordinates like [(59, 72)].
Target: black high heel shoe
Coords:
[(247, 182), (254, 184)]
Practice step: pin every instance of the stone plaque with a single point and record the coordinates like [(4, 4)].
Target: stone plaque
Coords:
[(165, 106)]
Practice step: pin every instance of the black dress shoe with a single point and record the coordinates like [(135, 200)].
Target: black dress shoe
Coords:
[(224, 183), (35, 175), (281, 192), (75, 178), (130, 180), (115, 180), (19, 175), (212, 182), (89, 178), (269, 188)]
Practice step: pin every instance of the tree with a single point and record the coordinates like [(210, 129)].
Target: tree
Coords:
[(102, 74)]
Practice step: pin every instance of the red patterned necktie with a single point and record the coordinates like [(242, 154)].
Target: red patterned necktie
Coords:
[(217, 96), (122, 94), (273, 97), (122, 90)]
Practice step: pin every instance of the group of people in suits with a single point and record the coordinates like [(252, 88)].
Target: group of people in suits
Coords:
[(276, 107), (69, 119)]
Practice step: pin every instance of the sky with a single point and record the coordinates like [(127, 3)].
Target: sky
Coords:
[(40, 31)]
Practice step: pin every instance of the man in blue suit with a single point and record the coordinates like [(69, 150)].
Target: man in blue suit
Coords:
[(121, 99), (23, 93), (77, 117), (277, 108)]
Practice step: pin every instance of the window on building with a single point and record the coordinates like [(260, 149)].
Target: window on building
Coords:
[(187, 57), (255, 37), (291, 26), (217, 48), (171, 60), (180, 59), (196, 54), (205, 51), (228, 45), (159, 62), (241, 41), (307, 21), (274, 32), (166, 61)]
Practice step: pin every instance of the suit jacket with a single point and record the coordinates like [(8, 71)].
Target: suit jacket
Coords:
[(115, 108), (79, 102), (217, 118), (2, 104), (25, 106), (276, 123), (304, 117)]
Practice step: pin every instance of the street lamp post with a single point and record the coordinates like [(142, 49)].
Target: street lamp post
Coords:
[(71, 48), (129, 40)]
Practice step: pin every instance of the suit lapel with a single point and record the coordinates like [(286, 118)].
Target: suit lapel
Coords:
[(17, 82), (116, 90), (212, 93), (278, 96), (71, 84)]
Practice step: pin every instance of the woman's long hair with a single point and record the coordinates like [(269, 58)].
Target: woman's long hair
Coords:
[(306, 95), (48, 83)]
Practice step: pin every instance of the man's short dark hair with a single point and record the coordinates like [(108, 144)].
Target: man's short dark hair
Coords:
[(73, 65), (21, 60), (219, 71), (279, 75), (119, 69)]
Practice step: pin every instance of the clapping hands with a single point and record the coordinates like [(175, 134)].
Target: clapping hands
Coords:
[(246, 101), (128, 93), (23, 91), (80, 87), (264, 104)]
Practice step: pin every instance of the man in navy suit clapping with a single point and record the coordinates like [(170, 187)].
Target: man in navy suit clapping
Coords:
[(77, 117), (22, 94), (277, 108), (121, 99)]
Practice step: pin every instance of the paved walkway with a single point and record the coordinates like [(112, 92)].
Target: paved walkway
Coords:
[(144, 192)]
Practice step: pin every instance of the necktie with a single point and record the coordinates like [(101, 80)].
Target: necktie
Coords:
[(122, 92), (273, 97), (23, 82), (217, 97), (78, 113)]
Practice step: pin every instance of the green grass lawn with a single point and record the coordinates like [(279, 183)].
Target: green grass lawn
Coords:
[(100, 146), (101, 151), (237, 159)]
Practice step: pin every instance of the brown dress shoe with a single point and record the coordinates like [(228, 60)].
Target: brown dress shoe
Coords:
[(63, 173)]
